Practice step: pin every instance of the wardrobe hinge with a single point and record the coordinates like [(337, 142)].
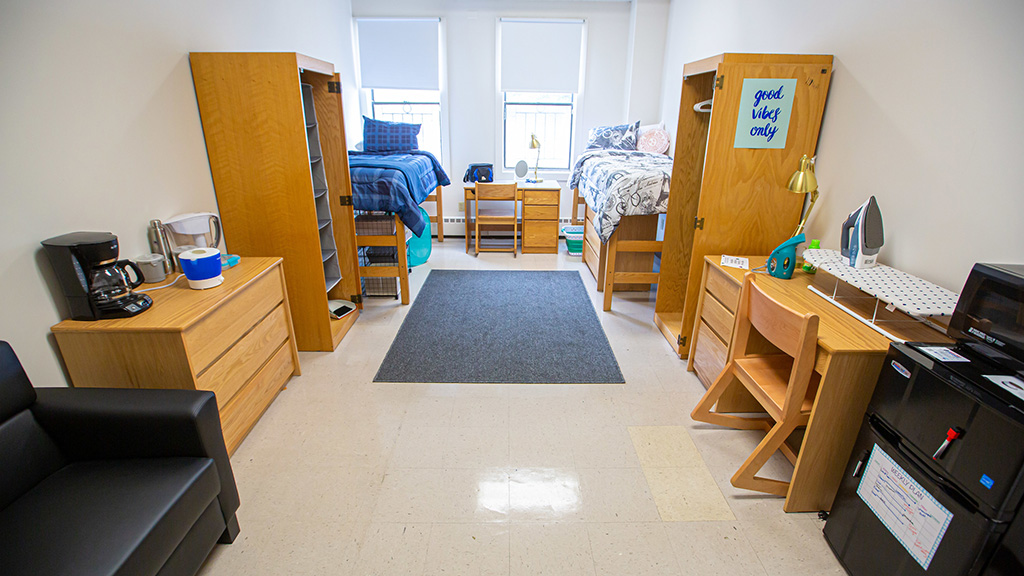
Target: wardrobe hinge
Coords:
[(356, 298), (681, 340), (334, 87), (346, 200), (698, 223), (719, 81)]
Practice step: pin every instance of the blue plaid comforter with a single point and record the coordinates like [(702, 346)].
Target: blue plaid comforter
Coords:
[(396, 182)]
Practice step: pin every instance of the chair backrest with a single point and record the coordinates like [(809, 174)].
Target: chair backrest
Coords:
[(793, 333), (495, 191)]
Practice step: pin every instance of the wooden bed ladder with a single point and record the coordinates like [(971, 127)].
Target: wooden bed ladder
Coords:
[(439, 219), (611, 276)]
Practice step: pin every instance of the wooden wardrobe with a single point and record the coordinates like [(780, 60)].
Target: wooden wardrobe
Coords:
[(275, 137), (727, 200)]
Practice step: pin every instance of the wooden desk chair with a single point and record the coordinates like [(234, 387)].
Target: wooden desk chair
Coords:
[(488, 216), (784, 384)]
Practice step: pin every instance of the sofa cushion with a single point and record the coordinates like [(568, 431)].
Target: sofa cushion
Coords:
[(16, 392), (106, 517), (27, 456)]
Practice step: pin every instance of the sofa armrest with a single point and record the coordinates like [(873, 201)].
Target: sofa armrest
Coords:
[(112, 423)]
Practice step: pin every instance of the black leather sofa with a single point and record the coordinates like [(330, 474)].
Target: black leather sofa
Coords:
[(109, 481)]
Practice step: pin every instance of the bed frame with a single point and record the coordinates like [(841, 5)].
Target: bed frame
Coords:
[(400, 271), (626, 262)]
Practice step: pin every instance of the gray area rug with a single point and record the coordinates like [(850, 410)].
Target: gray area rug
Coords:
[(507, 327)]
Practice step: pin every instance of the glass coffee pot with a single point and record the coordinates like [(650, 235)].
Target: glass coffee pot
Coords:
[(110, 282)]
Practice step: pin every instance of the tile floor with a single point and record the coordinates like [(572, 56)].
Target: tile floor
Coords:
[(346, 476)]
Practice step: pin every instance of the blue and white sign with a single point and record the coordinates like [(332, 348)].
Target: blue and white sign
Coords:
[(765, 107)]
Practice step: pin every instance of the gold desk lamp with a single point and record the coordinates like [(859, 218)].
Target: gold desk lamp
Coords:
[(803, 181), (535, 145)]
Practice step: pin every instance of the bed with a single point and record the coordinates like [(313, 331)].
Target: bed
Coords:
[(625, 191), (393, 183)]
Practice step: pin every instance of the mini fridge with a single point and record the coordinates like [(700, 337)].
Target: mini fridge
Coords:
[(935, 481)]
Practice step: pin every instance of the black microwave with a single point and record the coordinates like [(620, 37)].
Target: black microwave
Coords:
[(989, 316)]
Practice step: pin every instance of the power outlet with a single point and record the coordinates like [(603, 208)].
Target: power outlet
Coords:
[(462, 206)]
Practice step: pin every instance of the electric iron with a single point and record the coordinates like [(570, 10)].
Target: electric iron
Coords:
[(862, 235)]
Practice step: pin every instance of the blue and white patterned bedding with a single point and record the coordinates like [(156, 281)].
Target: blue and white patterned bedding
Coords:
[(396, 183), (617, 183)]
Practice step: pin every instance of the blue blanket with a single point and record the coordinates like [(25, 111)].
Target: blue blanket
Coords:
[(396, 182)]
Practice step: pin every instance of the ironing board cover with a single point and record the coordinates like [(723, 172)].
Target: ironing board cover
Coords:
[(906, 292)]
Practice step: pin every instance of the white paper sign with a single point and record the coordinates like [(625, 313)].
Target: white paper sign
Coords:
[(910, 513), (736, 262), (1011, 384), (942, 354)]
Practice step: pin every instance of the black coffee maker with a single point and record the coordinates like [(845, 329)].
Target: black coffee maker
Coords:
[(93, 280)]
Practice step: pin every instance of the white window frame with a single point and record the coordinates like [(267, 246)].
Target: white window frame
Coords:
[(366, 105), (499, 106)]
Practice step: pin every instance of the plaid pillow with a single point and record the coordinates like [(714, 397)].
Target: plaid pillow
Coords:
[(381, 136), (621, 137)]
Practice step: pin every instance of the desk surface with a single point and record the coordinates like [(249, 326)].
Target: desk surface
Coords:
[(545, 185)]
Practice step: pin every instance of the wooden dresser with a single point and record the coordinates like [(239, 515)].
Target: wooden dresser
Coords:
[(540, 218), (235, 340)]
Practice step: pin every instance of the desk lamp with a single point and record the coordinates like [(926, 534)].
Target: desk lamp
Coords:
[(535, 145), (803, 181)]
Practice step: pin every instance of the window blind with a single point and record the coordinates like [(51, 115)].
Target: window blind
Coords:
[(399, 53), (540, 55)]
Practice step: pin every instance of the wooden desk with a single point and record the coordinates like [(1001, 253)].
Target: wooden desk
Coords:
[(849, 358), (539, 215), (235, 340)]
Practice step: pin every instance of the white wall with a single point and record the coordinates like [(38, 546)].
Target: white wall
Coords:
[(648, 29), (473, 113), (925, 96), (100, 129)]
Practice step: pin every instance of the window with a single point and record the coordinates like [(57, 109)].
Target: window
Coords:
[(412, 106), (549, 116), (540, 70)]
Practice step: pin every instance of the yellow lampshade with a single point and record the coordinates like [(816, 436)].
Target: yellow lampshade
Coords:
[(534, 143), (803, 181)]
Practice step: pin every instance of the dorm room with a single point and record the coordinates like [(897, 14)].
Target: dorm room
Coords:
[(743, 316)]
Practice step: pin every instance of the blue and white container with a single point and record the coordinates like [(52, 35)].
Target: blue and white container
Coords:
[(201, 267)]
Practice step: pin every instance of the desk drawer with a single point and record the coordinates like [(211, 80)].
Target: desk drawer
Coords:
[(723, 287), (548, 197), (709, 355), (540, 234), (540, 212), (717, 317), (220, 329), (242, 412), (228, 374)]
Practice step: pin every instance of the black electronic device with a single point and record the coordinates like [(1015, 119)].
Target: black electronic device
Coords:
[(94, 282), (935, 483)]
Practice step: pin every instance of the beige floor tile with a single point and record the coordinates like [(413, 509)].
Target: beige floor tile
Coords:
[(641, 549), (474, 495), (409, 495), (550, 550), (713, 549), (545, 495), (790, 545), (479, 447), (468, 550), (430, 412), (540, 411), (665, 447), (419, 447), (540, 446), (605, 447), (687, 495), (480, 412), (616, 495), (316, 493), (392, 550)]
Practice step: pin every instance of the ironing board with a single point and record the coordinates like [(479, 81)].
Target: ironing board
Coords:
[(897, 289)]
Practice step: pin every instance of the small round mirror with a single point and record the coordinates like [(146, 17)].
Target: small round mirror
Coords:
[(521, 168)]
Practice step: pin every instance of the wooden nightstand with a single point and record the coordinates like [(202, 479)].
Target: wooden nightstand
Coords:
[(235, 340), (539, 215)]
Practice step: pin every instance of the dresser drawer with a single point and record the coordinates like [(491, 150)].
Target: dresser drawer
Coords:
[(717, 317), (252, 400), (549, 197), (221, 328), (709, 355), (723, 287), (540, 212), (229, 373)]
